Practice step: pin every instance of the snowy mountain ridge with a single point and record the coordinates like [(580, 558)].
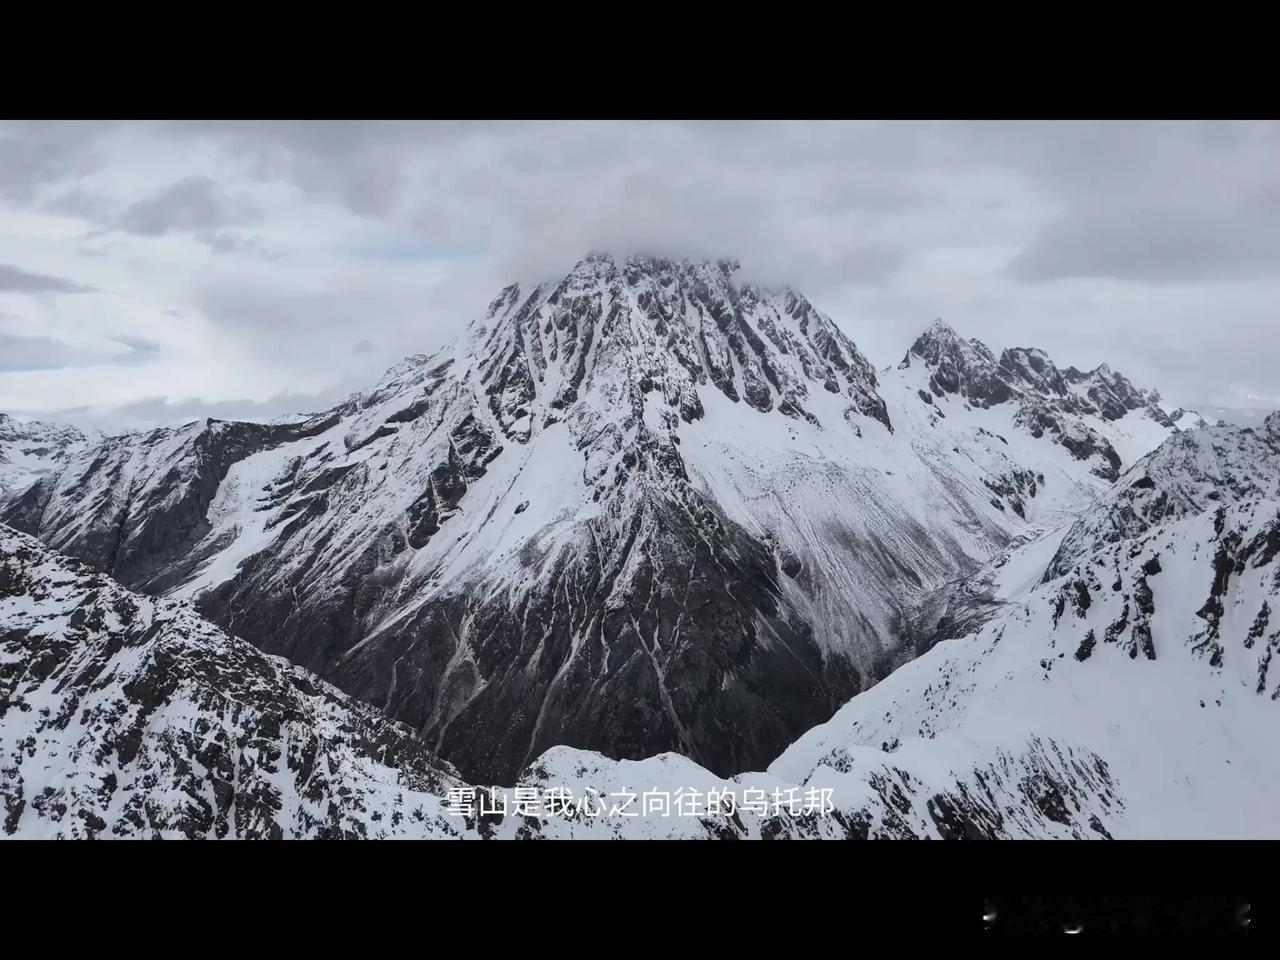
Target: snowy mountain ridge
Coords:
[(32, 448), (644, 509)]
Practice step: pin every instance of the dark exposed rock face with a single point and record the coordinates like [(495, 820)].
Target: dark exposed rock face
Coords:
[(471, 448), (1086, 646), (1080, 441), (1111, 395), (963, 367), (692, 670), (1035, 369), (1016, 489), (605, 650)]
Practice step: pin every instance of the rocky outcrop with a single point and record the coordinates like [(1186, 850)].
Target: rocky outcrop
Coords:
[(1048, 401)]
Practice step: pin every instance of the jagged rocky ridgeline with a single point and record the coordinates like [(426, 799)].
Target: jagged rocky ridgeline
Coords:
[(1047, 400), (646, 508)]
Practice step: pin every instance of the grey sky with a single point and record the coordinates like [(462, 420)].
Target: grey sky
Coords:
[(256, 267), (15, 280)]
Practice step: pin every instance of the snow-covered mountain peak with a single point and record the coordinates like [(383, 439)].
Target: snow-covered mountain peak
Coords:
[(31, 449), (1187, 419), (1098, 417), (615, 331), (959, 366), (643, 507), (38, 431), (970, 369), (937, 335), (1033, 369)]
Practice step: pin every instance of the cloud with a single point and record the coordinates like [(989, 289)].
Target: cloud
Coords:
[(36, 153), (16, 280), (139, 351), (36, 353), (297, 253), (1165, 245), (20, 351), (163, 410), (1151, 202), (365, 165), (196, 205), (80, 204)]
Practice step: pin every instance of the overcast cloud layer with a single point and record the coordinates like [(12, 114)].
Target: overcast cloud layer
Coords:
[(156, 272)]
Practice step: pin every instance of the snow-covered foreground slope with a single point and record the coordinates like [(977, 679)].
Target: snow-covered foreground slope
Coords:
[(124, 716), (121, 715), (646, 508), (1155, 654), (1193, 472)]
